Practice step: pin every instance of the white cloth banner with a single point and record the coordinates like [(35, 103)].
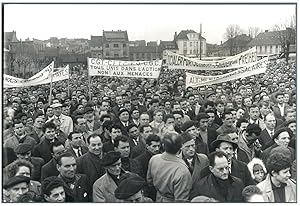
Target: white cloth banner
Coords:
[(60, 74), (116, 68), (176, 61), (43, 73), (193, 80)]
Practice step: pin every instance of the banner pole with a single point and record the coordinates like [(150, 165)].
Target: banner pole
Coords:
[(89, 80), (69, 81), (50, 95)]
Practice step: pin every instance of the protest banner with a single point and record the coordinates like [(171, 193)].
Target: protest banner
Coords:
[(193, 80), (176, 61), (116, 68), (43, 73), (60, 74)]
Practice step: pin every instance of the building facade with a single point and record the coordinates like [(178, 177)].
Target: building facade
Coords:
[(115, 45)]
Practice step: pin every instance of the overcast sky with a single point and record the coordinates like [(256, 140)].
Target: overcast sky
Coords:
[(150, 22)]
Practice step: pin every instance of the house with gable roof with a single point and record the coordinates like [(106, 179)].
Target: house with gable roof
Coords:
[(115, 45)]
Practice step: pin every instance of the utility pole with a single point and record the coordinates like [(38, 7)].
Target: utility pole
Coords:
[(200, 40)]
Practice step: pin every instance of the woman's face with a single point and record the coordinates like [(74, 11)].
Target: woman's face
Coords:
[(259, 175)]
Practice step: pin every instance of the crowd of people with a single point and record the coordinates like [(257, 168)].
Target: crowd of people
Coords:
[(152, 140)]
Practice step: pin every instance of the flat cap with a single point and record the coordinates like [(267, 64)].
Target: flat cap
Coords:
[(130, 184), (223, 138), (15, 180), (187, 125), (23, 148), (210, 93), (55, 105), (185, 137), (110, 158), (88, 109), (123, 110)]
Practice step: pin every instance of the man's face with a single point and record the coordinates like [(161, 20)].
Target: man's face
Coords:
[(24, 156), (244, 125), (290, 116), (247, 102), (167, 105), (65, 111), (16, 191), (227, 148), (270, 122), (119, 100), (254, 113), (178, 119), (220, 169), (57, 111), (220, 108), (203, 124), (135, 114), (153, 148), (68, 167), (105, 106), (238, 99), (56, 151), (124, 116), (95, 145), (293, 127), (228, 120), (264, 110), (193, 131), (234, 137), (188, 149), (144, 119), (89, 116), (39, 122), (115, 168), (158, 117), (81, 126), (49, 133), (77, 140), (283, 139), (134, 132), (170, 121), (49, 112), (211, 118), (147, 131), (124, 149), (279, 99), (56, 195), (19, 129), (115, 132), (155, 106), (283, 175)]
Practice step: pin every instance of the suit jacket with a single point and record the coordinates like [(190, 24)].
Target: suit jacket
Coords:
[(66, 124), (83, 151), (43, 150), (104, 189), (171, 177), (132, 143), (90, 165), (201, 146), (265, 139), (49, 170), (37, 168), (268, 194), (138, 150), (238, 169), (13, 141), (208, 187), (218, 120), (79, 189), (277, 113)]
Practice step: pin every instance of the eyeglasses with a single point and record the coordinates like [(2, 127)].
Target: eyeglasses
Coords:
[(223, 169)]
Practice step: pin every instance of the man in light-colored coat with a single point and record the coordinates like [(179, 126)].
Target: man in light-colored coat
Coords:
[(168, 173), (66, 122)]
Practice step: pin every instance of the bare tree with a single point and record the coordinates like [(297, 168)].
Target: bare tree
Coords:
[(232, 31), (253, 31)]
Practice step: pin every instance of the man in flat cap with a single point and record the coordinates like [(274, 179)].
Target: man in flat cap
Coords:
[(191, 128), (123, 120), (168, 173), (237, 168), (91, 123), (130, 189), (66, 122), (196, 162), (16, 186), (105, 186), (23, 152)]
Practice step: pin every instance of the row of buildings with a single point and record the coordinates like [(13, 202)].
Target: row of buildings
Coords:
[(24, 58)]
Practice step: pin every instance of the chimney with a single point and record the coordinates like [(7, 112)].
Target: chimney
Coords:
[(266, 30), (175, 35)]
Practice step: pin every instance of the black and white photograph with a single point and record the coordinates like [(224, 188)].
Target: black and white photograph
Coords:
[(149, 102)]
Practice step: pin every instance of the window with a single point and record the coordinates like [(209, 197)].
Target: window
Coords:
[(124, 53), (260, 48), (271, 49), (143, 55), (149, 56), (116, 55), (124, 45), (116, 45), (191, 51), (184, 43), (184, 52), (266, 48), (191, 44), (137, 55), (107, 45), (107, 53)]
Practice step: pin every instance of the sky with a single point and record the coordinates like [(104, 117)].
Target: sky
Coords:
[(143, 22)]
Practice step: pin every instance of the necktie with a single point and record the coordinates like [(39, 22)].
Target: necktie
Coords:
[(271, 133), (78, 153)]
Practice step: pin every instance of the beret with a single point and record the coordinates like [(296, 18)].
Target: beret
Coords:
[(55, 105), (23, 148), (88, 109), (110, 158), (210, 93), (16, 180), (185, 137), (123, 110), (187, 125), (130, 184), (202, 115), (280, 130), (223, 138)]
